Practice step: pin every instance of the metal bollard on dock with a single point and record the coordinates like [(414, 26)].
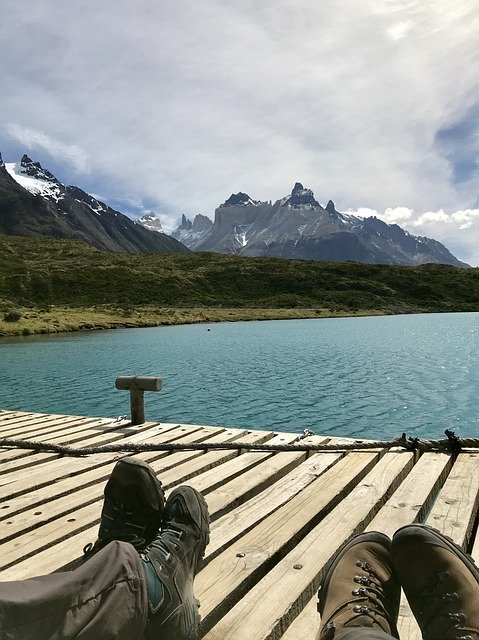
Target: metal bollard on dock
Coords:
[(137, 386)]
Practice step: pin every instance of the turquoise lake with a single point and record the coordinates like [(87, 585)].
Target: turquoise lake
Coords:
[(372, 377)]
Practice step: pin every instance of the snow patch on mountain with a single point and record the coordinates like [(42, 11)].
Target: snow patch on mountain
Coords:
[(151, 221), (34, 179)]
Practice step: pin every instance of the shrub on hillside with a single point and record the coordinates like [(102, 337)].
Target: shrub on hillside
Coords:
[(12, 316)]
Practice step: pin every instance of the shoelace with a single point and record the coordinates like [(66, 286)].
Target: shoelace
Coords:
[(432, 603), (165, 544), (371, 592)]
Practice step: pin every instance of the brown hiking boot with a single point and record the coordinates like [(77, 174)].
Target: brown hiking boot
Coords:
[(360, 589), (171, 563), (440, 581), (132, 508)]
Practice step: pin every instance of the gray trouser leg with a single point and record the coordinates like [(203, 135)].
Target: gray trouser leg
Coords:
[(103, 599)]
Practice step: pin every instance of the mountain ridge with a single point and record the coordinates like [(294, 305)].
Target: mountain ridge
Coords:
[(34, 203), (297, 226)]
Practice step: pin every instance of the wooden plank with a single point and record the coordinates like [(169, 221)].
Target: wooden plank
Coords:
[(456, 506), (453, 514), (41, 461), (51, 426), (117, 431), (80, 490), (235, 570), (291, 583), (232, 525), (253, 481), (306, 625), (55, 528), (51, 470), (69, 483), (413, 498)]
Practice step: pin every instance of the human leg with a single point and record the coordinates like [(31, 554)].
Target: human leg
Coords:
[(105, 595), (104, 598), (359, 598), (440, 581), (171, 563)]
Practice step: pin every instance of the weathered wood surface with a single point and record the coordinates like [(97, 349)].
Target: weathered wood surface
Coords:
[(277, 518)]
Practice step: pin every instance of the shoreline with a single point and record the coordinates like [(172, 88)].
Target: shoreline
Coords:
[(65, 319)]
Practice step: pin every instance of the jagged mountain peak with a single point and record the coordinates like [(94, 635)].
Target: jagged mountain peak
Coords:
[(2, 164), (297, 226), (192, 233), (300, 197), (69, 212), (35, 170), (239, 200), (331, 207), (151, 221)]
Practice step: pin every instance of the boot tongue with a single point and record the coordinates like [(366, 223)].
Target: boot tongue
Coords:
[(362, 621)]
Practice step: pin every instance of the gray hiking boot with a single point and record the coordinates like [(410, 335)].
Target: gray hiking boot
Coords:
[(440, 581), (171, 563), (133, 506), (360, 589)]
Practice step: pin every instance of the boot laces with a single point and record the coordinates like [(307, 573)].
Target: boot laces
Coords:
[(370, 595), (432, 601)]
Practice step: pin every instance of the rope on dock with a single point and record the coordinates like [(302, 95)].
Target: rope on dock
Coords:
[(451, 444)]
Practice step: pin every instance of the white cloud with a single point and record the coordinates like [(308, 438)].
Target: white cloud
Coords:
[(432, 216), (396, 215), (400, 30), (32, 139), (466, 219)]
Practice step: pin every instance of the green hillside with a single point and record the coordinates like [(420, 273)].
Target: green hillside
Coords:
[(43, 272)]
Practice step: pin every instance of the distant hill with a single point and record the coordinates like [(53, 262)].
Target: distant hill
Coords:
[(297, 226), (34, 203), (46, 271)]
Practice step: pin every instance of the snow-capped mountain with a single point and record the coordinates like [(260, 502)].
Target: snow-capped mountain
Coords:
[(151, 221), (34, 203), (297, 226)]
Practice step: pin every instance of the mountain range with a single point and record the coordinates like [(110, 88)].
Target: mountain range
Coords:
[(297, 226), (34, 203)]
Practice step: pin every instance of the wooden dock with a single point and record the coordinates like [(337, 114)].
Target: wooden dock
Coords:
[(277, 518)]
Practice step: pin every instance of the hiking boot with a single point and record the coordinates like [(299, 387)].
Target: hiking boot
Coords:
[(360, 589), (171, 563), (133, 506), (440, 581)]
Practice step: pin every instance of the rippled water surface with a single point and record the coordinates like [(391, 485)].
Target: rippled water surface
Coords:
[(370, 377)]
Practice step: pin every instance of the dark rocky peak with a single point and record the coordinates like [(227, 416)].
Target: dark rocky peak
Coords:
[(301, 196), (238, 199), (186, 224), (201, 223), (35, 170), (2, 164), (330, 207)]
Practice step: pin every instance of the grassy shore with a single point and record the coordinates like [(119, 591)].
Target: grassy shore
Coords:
[(62, 319), (49, 285)]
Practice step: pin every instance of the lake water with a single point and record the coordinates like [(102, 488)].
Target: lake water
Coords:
[(372, 377)]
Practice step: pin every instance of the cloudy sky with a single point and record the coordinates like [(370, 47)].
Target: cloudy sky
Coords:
[(173, 106)]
